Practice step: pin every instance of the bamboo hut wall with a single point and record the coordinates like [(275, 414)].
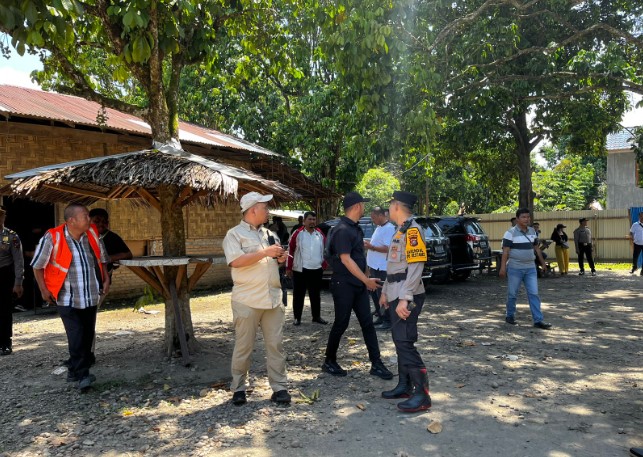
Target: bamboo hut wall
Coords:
[(610, 230), (139, 226)]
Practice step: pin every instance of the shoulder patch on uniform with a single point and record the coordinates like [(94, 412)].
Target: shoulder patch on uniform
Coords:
[(415, 247)]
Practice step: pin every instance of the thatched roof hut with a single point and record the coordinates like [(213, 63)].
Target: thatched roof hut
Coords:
[(137, 175)]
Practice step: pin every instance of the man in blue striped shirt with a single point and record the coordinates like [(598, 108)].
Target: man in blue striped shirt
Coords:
[(519, 251)]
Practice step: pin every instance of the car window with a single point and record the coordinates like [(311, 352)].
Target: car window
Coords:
[(431, 231), (450, 226), (368, 229), (473, 228)]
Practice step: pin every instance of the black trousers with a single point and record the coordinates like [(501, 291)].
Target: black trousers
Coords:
[(405, 334), (348, 297), (585, 251), (80, 326), (311, 281), (7, 280), (377, 293), (638, 248)]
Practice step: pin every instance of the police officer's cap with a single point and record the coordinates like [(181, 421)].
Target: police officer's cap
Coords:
[(407, 198)]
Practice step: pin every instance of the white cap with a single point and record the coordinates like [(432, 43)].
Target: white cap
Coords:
[(251, 199)]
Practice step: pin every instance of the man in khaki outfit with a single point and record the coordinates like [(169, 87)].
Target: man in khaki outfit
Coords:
[(254, 253)]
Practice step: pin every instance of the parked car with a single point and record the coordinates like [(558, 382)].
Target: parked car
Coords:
[(470, 249), (436, 269)]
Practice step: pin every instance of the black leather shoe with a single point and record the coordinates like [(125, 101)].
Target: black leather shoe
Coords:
[(319, 320), (510, 320), (593, 272), (6, 350), (636, 451), (543, 325), (581, 273), (333, 368), (378, 321), (239, 398), (378, 369), (297, 322), (385, 325), (632, 270), (281, 397)]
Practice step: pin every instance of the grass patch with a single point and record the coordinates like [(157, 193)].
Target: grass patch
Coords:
[(613, 266)]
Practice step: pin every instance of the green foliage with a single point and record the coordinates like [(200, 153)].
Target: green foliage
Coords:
[(149, 297), (309, 400), (566, 187), (378, 185)]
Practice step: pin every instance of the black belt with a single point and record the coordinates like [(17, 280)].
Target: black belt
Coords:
[(396, 277)]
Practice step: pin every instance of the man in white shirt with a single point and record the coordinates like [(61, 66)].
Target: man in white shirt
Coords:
[(636, 236), (305, 266), (377, 249)]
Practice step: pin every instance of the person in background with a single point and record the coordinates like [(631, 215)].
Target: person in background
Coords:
[(513, 221), (70, 267), (559, 237), (636, 237), (11, 276), (114, 244), (584, 248), (349, 286), (377, 248), (298, 225), (280, 229), (306, 266), (519, 249), (254, 258)]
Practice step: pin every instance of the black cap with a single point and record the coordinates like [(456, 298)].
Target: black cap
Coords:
[(407, 198), (560, 226), (353, 198), (582, 219)]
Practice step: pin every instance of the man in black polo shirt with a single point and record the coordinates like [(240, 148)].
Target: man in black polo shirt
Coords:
[(114, 244), (349, 286)]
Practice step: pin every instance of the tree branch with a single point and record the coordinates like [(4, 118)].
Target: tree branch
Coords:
[(83, 89)]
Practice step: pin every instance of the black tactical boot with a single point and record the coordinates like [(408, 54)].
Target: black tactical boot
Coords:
[(404, 388), (420, 400)]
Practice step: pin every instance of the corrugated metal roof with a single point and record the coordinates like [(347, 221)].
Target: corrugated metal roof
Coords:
[(619, 140), (37, 104)]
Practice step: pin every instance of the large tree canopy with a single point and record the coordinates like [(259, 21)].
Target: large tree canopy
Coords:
[(130, 56), (514, 72)]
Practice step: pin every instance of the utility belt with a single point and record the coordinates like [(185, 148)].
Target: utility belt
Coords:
[(396, 277)]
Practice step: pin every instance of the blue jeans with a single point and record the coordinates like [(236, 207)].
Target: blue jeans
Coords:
[(529, 276)]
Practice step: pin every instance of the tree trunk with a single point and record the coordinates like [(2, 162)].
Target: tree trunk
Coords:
[(173, 233), (524, 146), (526, 193)]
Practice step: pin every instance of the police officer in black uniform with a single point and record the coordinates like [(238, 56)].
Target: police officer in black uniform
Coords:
[(403, 293), (349, 286), (11, 276)]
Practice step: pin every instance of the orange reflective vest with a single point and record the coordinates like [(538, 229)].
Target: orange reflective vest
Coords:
[(60, 259)]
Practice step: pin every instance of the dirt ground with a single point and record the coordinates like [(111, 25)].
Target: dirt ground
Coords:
[(497, 390)]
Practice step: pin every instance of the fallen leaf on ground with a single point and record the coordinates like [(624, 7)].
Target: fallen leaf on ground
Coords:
[(361, 406), (434, 427)]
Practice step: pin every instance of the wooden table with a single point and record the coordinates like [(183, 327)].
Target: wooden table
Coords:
[(150, 270)]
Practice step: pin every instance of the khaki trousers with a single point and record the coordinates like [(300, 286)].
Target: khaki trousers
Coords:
[(246, 321)]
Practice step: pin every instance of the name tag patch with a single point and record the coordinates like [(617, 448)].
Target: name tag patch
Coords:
[(415, 247)]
